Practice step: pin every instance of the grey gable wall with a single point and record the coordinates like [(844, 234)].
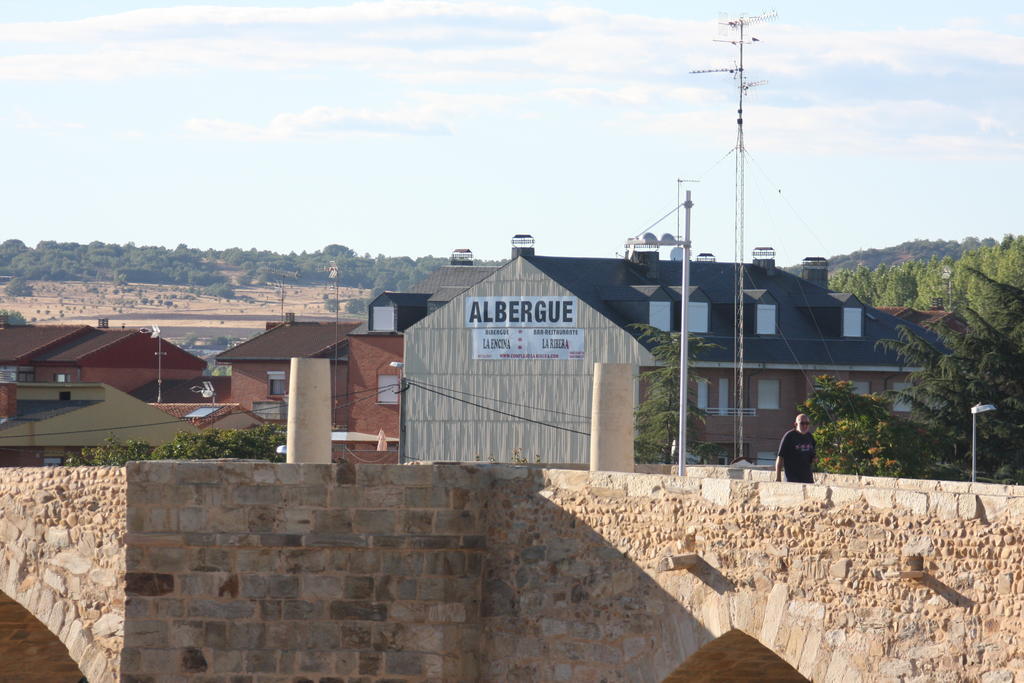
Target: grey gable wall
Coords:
[(438, 352)]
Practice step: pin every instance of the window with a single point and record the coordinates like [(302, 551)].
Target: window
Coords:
[(660, 315), (702, 393), (26, 374), (852, 320), (62, 377), (766, 458), (52, 461), (723, 395), (383, 319), (63, 395), (387, 388), (901, 406), (767, 394), (277, 383), (698, 316), (766, 318), (861, 387)]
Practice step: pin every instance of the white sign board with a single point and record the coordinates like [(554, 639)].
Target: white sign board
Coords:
[(535, 343), (521, 311)]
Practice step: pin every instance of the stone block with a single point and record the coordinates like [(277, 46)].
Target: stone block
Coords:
[(221, 609), (913, 501), (773, 613), (968, 506), (433, 497), (455, 522), (879, 498), (774, 495), (358, 610), (409, 475), (375, 521), (943, 505)]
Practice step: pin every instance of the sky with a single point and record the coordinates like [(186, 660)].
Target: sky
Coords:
[(409, 128)]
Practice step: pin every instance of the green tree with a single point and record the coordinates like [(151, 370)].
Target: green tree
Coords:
[(984, 364), (18, 287), (113, 452), (13, 317), (256, 443), (858, 434), (657, 416)]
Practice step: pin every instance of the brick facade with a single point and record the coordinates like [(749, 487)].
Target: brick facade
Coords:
[(369, 356), (249, 385)]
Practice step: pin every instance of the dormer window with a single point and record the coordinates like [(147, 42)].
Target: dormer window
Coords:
[(697, 321), (766, 318), (383, 318), (661, 315), (853, 322)]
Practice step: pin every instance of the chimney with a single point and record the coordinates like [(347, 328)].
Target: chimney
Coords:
[(815, 270), (103, 323), (522, 245), (8, 400), (764, 257), (289, 318), (462, 257), (3, 320), (647, 260)]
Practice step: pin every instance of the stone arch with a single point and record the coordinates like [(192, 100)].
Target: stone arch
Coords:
[(734, 656), (62, 537), (29, 652)]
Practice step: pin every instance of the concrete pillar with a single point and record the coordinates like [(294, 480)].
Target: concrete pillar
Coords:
[(611, 418), (309, 411)]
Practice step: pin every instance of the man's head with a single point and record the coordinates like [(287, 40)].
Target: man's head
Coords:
[(802, 423)]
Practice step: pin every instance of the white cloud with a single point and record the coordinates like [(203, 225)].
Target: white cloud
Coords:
[(886, 128), (26, 120)]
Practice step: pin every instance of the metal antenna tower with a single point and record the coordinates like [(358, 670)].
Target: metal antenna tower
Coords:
[(737, 29)]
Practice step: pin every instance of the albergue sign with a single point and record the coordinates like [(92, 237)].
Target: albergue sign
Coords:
[(527, 343), (521, 311)]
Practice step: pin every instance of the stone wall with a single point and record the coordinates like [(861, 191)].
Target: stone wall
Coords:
[(286, 572), (62, 560), (811, 572), (252, 572)]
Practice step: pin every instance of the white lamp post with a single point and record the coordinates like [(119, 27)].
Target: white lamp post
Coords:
[(980, 408), (649, 241)]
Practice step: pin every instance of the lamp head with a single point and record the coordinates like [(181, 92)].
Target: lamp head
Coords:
[(982, 408)]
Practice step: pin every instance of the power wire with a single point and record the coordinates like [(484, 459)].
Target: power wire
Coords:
[(495, 410)]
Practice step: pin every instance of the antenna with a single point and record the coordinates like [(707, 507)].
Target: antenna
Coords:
[(734, 32)]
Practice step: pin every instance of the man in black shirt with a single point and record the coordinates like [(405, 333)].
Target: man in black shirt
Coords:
[(797, 453)]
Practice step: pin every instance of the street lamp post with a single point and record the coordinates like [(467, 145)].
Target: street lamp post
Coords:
[(980, 408), (647, 242)]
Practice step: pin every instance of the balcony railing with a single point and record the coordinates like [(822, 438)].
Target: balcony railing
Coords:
[(730, 412)]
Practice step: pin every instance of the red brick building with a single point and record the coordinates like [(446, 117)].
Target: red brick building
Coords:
[(260, 366), (124, 359), (373, 382)]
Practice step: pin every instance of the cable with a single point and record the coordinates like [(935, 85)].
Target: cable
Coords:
[(498, 400), (495, 410)]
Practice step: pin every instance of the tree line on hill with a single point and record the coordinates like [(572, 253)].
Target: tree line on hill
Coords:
[(97, 261), (949, 280)]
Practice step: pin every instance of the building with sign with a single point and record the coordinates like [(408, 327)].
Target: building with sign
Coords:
[(503, 371)]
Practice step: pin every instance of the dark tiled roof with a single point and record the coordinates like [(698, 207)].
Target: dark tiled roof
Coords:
[(299, 339), (180, 390), (32, 410), (456, 277), (19, 343), (932, 317), (802, 308), (82, 346)]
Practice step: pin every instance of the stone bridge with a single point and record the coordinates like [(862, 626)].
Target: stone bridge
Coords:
[(244, 572)]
